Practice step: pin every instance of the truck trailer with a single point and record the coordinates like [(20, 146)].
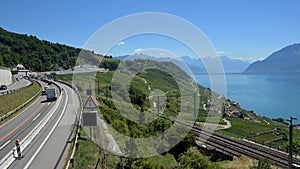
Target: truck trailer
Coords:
[(51, 94)]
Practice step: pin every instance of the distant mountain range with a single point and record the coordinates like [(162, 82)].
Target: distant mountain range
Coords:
[(229, 65), (195, 64), (285, 60)]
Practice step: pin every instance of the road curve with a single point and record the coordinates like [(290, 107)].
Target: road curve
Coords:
[(49, 132), (16, 86), (56, 148), (20, 125)]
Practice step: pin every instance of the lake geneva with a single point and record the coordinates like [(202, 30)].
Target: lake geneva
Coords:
[(270, 95)]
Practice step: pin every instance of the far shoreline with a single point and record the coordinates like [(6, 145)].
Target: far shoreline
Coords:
[(276, 115)]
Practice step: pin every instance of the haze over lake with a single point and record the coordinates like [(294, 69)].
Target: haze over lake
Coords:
[(270, 95)]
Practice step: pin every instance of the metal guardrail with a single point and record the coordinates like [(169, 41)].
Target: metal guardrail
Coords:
[(10, 157), (78, 122), (14, 90), (22, 105)]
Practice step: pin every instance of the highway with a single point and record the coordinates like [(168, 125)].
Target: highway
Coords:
[(44, 130), (16, 85)]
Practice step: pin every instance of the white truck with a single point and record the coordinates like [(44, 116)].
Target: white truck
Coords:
[(51, 94)]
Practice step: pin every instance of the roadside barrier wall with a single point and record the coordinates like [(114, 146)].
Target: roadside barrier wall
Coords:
[(5, 76)]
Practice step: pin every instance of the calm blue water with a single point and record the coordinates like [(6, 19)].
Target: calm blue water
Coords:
[(267, 95)]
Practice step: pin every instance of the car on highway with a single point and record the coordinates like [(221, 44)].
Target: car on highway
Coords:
[(3, 87), (44, 92)]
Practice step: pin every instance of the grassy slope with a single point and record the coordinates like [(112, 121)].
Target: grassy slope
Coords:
[(88, 154), (161, 81), (242, 128), (11, 101), (242, 162)]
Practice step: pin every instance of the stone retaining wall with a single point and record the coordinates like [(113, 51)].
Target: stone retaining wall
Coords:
[(5, 76)]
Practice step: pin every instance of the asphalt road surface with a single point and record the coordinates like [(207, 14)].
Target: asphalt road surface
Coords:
[(44, 129), (16, 85)]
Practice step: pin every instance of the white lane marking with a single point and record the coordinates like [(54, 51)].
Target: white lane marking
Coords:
[(36, 117), (9, 159), (40, 125), (48, 136), (5, 144)]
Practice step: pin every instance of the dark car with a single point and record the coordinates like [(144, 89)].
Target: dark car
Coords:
[(3, 87)]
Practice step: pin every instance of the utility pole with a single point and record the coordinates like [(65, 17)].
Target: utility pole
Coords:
[(98, 88), (89, 93), (177, 103), (122, 165), (106, 94), (89, 90), (158, 105), (291, 141), (195, 107)]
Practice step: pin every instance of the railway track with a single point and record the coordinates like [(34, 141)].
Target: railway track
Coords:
[(235, 147)]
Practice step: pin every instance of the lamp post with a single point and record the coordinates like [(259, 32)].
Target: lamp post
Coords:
[(291, 141), (98, 87)]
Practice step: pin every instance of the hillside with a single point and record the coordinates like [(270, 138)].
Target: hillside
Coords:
[(155, 88), (285, 60), (128, 115), (38, 55), (233, 65)]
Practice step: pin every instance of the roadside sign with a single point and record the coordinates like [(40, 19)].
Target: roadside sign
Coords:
[(89, 118), (90, 103), (89, 92)]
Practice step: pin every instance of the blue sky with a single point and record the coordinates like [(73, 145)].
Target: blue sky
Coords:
[(250, 29)]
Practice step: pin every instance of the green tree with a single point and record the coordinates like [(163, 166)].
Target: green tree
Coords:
[(53, 75), (136, 96), (121, 126), (193, 159), (131, 151), (109, 63), (35, 54)]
